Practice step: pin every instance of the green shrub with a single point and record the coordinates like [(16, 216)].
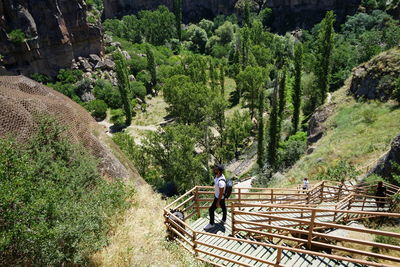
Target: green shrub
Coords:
[(117, 117), (55, 207), (292, 149), (97, 108), (17, 36), (138, 89), (339, 171), (104, 90), (69, 76), (396, 91), (41, 78)]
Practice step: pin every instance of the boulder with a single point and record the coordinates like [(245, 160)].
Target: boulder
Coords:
[(375, 79), (316, 124), (109, 63), (126, 55), (94, 58), (385, 166)]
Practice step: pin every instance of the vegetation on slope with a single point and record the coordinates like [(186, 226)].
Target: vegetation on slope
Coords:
[(56, 208)]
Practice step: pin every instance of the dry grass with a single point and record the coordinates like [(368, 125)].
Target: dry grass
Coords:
[(358, 132), (139, 239)]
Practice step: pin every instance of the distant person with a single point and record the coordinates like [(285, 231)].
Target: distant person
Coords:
[(380, 192), (219, 199), (306, 183)]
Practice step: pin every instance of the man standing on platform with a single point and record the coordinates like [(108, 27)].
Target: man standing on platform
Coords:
[(219, 199)]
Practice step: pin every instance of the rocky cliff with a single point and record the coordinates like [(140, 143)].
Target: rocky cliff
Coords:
[(288, 14), (192, 10), (304, 14), (54, 33), (375, 79)]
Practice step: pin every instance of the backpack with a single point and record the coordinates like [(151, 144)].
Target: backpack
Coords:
[(228, 188)]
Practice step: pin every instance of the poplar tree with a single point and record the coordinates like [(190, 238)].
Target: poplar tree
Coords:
[(123, 85), (296, 97), (177, 7), (247, 18), (273, 127), (324, 56), (151, 66), (222, 78), (260, 137)]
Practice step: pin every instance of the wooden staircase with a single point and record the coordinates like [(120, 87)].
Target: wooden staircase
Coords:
[(282, 227)]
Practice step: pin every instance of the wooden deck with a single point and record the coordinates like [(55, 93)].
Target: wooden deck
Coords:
[(267, 253), (283, 227)]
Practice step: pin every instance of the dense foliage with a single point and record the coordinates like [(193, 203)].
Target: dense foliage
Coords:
[(55, 207)]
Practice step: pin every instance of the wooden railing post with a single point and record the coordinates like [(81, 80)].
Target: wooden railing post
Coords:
[(194, 244), (311, 229), (272, 196), (233, 217), (270, 222), (278, 257), (363, 205), (321, 196), (308, 196), (239, 196), (196, 199)]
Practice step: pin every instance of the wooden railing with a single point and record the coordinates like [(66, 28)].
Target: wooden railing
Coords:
[(314, 210), (307, 230)]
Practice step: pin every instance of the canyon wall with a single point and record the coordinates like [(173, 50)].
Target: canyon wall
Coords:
[(55, 31)]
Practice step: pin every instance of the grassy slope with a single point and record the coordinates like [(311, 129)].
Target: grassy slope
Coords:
[(139, 238), (359, 132)]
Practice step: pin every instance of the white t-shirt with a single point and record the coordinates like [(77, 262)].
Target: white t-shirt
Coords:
[(305, 184), (219, 182)]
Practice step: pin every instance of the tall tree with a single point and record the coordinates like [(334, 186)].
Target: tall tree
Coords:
[(273, 127), (151, 66), (222, 78), (247, 15), (281, 103), (250, 82), (260, 137), (245, 46), (296, 96), (177, 7), (123, 85), (325, 46)]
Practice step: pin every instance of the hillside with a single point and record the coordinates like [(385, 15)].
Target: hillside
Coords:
[(357, 131)]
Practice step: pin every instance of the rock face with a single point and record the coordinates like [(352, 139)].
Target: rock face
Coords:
[(385, 166), (375, 78), (192, 10), (316, 125), (304, 14), (21, 98), (56, 32), (288, 14)]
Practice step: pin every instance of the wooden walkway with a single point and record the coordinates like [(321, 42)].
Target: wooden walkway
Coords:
[(267, 253), (283, 227)]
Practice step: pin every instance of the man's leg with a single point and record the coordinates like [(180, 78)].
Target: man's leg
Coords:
[(223, 207), (211, 210)]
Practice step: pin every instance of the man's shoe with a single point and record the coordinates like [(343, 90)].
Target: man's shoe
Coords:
[(222, 222), (209, 226)]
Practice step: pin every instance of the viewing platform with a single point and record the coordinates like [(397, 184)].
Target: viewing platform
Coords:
[(286, 227)]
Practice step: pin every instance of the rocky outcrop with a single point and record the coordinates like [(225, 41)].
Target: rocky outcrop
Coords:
[(375, 79), (316, 124), (21, 99), (192, 11), (56, 32), (304, 14), (385, 166), (287, 14)]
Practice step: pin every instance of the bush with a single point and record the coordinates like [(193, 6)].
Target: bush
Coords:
[(138, 90), (339, 171), (396, 91), (97, 108), (104, 90), (292, 149), (17, 36), (55, 206), (41, 78), (117, 117)]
